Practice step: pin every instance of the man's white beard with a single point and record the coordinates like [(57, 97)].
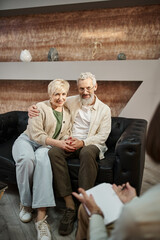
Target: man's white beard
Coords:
[(87, 101)]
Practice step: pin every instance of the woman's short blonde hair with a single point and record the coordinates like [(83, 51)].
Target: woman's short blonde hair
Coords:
[(57, 86)]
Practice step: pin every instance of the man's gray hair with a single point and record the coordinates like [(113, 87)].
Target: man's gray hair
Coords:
[(86, 75)]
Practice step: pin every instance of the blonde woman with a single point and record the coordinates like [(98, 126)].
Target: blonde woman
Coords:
[(30, 152)]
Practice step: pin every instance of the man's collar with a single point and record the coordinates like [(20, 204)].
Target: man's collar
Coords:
[(94, 106)]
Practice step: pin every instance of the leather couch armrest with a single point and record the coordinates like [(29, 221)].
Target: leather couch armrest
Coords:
[(130, 155)]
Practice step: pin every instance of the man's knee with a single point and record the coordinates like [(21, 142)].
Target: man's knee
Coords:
[(54, 151), (89, 153), (55, 154)]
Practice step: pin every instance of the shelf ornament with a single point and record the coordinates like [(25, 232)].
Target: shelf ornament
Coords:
[(121, 56), (25, 56), (53, 55)]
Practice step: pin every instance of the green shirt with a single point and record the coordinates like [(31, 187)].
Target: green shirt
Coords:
[(59, 118)]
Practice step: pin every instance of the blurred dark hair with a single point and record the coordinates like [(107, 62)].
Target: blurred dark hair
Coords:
[(153, 136)]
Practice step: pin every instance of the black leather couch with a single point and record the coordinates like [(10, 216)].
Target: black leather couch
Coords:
[(124, 160)]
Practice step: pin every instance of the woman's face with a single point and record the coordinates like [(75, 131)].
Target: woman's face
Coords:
[(58, 99)]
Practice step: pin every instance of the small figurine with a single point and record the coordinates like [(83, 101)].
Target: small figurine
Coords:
[(53, 54), (121, 56), (25, 56)]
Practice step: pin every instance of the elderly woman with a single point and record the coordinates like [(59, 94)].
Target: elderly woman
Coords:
[(30, 152)]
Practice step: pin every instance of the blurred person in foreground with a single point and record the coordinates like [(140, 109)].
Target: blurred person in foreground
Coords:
[(140, 217)]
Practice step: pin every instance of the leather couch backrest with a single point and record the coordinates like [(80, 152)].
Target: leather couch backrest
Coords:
[(15, 122), (12, 124), (22, 121), (119, 125), (8, 123)]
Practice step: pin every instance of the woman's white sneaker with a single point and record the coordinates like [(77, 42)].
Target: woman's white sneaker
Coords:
[(43, 230), (25, 214)]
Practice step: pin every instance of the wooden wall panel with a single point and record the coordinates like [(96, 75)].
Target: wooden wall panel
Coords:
[(83, 35), (19, 95)]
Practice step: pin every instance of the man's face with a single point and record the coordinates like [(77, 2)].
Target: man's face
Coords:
[(86, 91)]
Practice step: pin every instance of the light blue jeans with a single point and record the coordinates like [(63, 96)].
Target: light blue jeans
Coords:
[(33, 172)]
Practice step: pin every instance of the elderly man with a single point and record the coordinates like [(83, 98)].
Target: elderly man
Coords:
[(91, 126), (91, 121)]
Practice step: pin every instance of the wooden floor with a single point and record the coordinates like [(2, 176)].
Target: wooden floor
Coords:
[(11, 228)]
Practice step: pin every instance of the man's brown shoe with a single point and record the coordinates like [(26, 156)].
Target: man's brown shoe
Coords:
[(67, 222)]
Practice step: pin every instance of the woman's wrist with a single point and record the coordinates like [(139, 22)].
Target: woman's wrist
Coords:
[(98, 212)]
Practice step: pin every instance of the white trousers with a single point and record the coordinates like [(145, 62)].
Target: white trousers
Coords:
[(33, 172)]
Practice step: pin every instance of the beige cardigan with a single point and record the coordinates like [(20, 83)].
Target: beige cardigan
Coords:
[(43, 126), (100, 125)]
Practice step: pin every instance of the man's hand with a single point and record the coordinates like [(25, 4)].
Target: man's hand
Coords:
[(33, 111), (74, 142), (125, 192), (65, 146), (60, 143), (88, 200)]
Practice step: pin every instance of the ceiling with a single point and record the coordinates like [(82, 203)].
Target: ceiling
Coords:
[(19, 7)]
